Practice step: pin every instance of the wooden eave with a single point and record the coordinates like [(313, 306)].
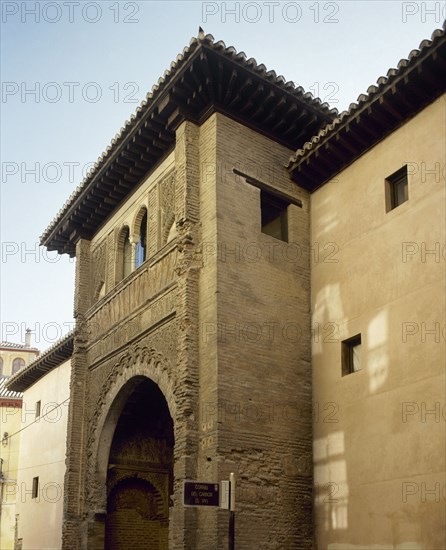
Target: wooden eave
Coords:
[(209, 78), (417, 83)]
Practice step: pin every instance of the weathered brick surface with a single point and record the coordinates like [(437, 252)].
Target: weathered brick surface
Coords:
[(263, 321), (75, 476), (189, 320)]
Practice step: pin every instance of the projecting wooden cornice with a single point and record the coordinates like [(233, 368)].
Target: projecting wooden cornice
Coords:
[(207, 77), (400, 95)]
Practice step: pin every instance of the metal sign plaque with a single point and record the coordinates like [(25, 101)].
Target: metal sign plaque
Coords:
[(201, 493)]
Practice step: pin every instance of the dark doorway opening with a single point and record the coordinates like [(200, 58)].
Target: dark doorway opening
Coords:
[(140, 473)]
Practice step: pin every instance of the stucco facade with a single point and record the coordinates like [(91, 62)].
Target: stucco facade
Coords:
[(379, 457), (10, 424), (13, 358), (42, 456)]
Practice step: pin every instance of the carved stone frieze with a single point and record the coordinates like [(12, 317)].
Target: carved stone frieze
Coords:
[(167, 206), (133, 295), (98, 275), (152, 222), (126, 331)]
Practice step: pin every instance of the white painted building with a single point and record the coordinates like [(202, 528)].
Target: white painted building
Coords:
[(45, 384)]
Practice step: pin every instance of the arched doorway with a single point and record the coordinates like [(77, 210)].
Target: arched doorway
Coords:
[(140, 472)]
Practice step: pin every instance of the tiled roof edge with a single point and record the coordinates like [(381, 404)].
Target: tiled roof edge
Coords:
[(364, 99), (157, 89), (24, 378)]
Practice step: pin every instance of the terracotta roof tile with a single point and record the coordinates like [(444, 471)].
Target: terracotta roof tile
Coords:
[(202, 40), (363, 99)]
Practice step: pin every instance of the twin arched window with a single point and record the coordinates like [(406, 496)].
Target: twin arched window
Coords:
[(17, 364), (128, 260)]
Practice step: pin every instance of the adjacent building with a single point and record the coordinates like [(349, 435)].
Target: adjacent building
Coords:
[(378, 291), (13, 358), (10, 424), (260, 289), (39, 490)]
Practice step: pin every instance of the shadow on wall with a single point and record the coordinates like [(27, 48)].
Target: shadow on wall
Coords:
[(378, 462)]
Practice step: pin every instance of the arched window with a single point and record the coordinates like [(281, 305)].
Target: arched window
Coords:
[(141, 245), (17, 364), (124, 256), (1, 366)]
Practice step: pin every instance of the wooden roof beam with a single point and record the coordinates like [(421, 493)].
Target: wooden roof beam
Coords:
[(286, 117), (241, 92), (262, 104), (352, 130), (231, 86), (204, 66), (388, 106), (275, 110), (343, 142)]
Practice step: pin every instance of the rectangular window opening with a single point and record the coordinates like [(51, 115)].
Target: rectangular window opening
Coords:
[(38, 408), (351, 355), (274, 216), (35, 490), (397, 189)]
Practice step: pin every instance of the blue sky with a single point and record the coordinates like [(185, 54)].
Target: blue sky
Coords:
[(91, 63)]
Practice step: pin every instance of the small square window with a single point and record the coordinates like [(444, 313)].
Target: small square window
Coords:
[(38, 408), (35, 491), (351, 355), (274, 216), (397, 189)]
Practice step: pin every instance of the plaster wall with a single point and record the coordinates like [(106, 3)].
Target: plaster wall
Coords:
[(42, 455), (379, 433)]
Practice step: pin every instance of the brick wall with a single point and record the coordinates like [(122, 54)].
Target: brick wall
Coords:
[(238, 403), (132, 518)]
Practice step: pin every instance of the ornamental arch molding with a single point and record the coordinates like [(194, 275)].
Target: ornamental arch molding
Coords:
[(161, 503), (137, 364), (123, 253), (136, 225), (123, 234)]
